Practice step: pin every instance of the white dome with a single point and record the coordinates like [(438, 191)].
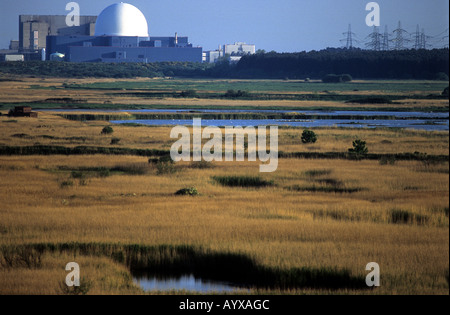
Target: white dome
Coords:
[(121, 19)]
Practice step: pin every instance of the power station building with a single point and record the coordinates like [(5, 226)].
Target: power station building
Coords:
[(121, 35), (34, 29)]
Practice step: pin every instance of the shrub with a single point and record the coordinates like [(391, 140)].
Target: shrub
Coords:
[(66, 183), (191, 191), (236, 94), (115, 140), (189, 94), (346, 78), (107, 130), (309, 136), (163, 164), (359, 147)]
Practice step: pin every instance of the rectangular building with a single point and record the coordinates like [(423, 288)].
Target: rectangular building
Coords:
[(123, 49), (34, 29)]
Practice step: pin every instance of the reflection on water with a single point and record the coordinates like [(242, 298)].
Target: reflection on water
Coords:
[(186, 282), (429, 124)]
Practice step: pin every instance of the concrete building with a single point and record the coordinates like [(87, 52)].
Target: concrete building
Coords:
[(212, 56), (121, 35), (239, 49), (34, 29), (234, 52)]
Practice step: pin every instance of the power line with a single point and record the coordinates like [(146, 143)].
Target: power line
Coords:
[(400, 40), (385, 43), (350, 40), (375, 40)]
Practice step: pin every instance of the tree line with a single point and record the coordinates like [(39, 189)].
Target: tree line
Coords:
[(359, 64)]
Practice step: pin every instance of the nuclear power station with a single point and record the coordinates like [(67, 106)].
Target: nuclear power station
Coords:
[(121, 35), (118, 34)]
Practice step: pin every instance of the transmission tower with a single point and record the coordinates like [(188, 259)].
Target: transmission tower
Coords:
[(418, 39), (375, 40), (399, 39), (350, 38), (385, 38)]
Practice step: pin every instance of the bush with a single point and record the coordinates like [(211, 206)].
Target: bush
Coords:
[(191, 191), (236, 94), (107, 130), (66, 183), (346, 78), (163, 164), (115, 140), (189, 94), (359, 147), (309, 136)]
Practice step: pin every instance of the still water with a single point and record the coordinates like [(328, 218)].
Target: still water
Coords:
[(185, 282), (411, 120), (419, 124)]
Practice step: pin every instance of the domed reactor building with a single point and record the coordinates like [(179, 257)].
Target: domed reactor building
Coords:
[(121, 35)]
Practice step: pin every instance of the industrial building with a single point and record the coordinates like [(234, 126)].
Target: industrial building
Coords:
[(118, 34), (34, 29), (33, 32), (234, 52), (121, 35)]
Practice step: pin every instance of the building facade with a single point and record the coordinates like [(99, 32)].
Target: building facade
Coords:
[(123, 49), (34, 29)]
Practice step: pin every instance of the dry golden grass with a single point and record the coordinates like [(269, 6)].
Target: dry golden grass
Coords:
[(275, 225), (75, 133), (278, 226), (20, 91)]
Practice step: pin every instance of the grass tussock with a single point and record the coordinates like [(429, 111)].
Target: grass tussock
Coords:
[(324, 188), (399, 216), (191, 191), (242, 181), (317, 173)]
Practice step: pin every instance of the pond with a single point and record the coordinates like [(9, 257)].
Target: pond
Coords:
[(186, 282)]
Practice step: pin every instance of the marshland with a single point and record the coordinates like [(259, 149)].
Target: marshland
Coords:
[(114, 204)]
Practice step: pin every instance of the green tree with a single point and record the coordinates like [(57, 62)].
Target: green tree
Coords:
[(359, 147), (107, 130), (309, 136)]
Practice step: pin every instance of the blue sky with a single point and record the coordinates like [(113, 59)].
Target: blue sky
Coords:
[(280, 25)]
